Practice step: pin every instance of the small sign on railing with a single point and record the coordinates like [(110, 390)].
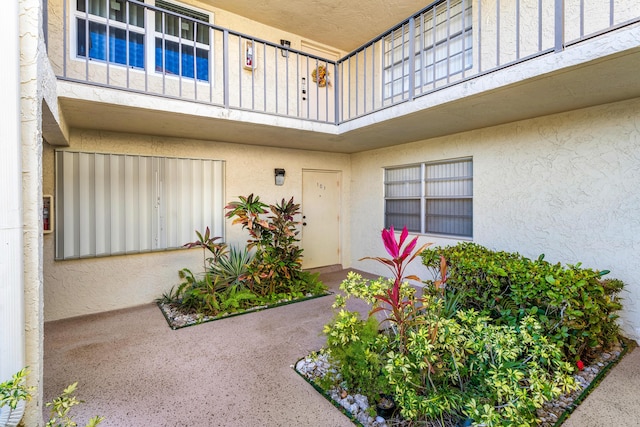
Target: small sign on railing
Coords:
[(249, 56)]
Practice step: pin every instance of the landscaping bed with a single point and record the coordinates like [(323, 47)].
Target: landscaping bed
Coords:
[(265, 273), (177, 317), (315, 366), (493, 339)]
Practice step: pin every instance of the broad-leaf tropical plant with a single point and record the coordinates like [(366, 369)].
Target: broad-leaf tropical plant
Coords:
[(206, 241), (402, 310), (278, 259)]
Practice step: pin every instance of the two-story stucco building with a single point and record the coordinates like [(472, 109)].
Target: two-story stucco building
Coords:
[(129, 124)]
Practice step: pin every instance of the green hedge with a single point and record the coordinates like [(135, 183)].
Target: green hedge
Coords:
[(576, 306)]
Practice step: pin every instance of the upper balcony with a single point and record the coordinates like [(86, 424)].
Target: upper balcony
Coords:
[(457, 65)]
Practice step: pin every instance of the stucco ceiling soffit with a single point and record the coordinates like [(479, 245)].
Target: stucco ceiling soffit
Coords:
[(344, 25)]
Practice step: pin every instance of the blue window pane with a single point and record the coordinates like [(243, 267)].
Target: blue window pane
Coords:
[(117, 44), (168, 62), (172, 60), (202, 64), (136, 50), (187, 61), (97, 41)]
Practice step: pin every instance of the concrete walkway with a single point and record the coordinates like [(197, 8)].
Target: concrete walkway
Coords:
[(616, 401), (134, 370)]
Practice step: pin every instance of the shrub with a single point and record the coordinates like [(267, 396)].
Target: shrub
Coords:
[(278, 259), (15, 390), (463, 364), (356, 346), (268, 270), (574, 305), (200, 295), (232, 266), (208, 242), (442, 358)]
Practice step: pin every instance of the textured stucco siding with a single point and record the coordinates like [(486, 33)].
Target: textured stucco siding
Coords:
[(32, 57), (564, 185), (78, 287)]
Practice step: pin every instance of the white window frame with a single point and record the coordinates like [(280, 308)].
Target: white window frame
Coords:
[(416, 195), (116, 204), (442, 33), (109, 22), (147, 30), (184, 41)]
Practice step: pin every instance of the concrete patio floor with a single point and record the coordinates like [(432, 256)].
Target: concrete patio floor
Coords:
[(135, 371)]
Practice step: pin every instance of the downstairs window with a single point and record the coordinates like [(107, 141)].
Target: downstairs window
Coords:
[(431, 198)]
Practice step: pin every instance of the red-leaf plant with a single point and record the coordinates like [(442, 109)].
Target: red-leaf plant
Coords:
[(402, 311), (205, 242)]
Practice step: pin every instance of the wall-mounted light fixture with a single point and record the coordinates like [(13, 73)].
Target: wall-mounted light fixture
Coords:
[(279, 176), (287, 44)]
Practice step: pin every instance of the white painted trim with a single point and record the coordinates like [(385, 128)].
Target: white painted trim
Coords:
[(12, 320)]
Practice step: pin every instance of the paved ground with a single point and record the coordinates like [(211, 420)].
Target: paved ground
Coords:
[(134, 370), (616, 401)]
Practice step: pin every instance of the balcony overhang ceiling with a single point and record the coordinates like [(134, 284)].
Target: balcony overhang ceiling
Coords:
[(587, 74), (337, 23), (457, 109)]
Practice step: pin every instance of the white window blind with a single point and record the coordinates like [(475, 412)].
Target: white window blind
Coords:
[(112, 204), (435, 197)]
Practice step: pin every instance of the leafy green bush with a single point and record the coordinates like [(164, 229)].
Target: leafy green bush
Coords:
[(493, 336), (465, 364), (574, 305), (496, 375), (15, 390), (238, 279), (60, 406), (278, 259), (232, 266), (356, 346), (200, 295)]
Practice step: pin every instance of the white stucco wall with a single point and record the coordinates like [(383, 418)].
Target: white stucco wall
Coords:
[(78, 287), (564, 185), (32, 70)]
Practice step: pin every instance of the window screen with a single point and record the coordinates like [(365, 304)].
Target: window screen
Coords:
[(441, 48), (434, 197)]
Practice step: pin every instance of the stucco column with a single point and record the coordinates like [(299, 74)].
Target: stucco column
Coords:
[(31, 60), (12, 355)]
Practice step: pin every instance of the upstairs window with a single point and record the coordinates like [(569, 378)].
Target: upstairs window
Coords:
[(118, 32), (111, 30), (177, 36), (431, 198), (441, 48)]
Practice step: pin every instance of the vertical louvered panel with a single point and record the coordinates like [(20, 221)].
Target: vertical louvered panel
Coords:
[(119, 204)]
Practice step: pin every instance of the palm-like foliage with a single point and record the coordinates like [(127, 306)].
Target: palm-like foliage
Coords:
[(278, 259), (232, 267)]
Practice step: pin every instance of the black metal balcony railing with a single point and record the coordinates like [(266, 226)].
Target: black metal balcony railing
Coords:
[(174, 52)]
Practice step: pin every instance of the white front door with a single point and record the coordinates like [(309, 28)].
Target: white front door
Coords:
[(320, 218)]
